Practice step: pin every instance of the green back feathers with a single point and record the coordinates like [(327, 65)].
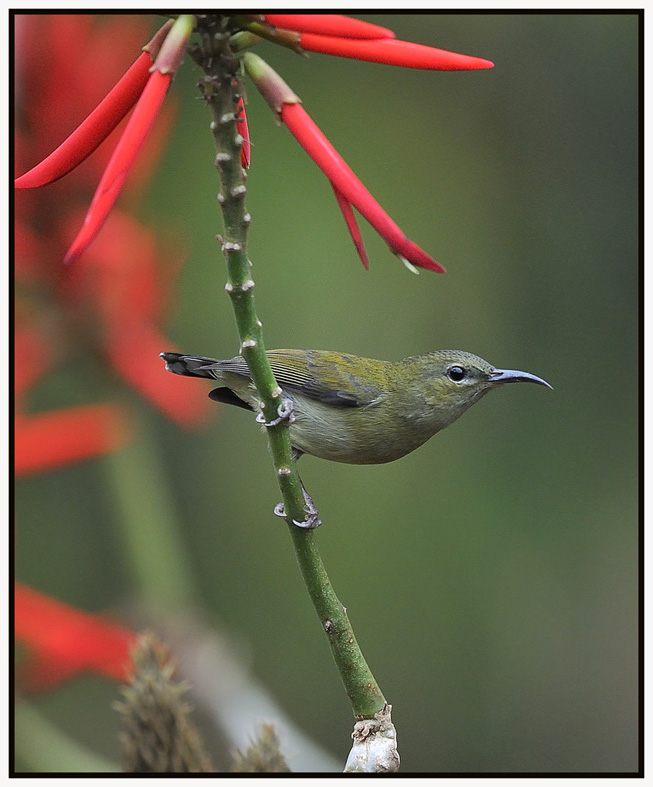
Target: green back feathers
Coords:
[(330, 377)]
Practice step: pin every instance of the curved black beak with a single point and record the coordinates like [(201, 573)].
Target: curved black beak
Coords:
[(499, 376)]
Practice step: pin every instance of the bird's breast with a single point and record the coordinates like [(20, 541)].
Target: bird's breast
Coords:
[(354, 435)]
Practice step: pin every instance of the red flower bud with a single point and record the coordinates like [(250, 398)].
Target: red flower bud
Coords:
[(348, 188), (351, 190), (243, 130), (392, 52), (140, 123), (328, 25), (122, 161), (99, 124), (93, 131)]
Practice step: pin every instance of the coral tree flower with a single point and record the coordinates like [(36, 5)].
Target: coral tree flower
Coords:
[(327, 33), (138, 128), (345, 37), (46, 441), (392, 52), (328, 25), (108, 317), (145, 81), (243, 129), (99, 124), (348, 188), (122, 161), (64, 642), (62, 437)]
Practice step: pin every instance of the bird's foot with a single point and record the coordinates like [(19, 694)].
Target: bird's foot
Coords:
[(312, 519), (285, 412)]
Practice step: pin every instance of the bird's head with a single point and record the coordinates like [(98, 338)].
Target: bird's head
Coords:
[(451, 381)]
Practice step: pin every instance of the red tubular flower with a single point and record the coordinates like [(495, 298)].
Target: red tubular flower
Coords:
[(93, 131), (62, 437), (243, 129), (328, 25), (331, 34), (64, 642), (350, 220), (99, 124), (46, 441), (122, 161), (392, 52), (138, 128), (349, 190), (131, 293)]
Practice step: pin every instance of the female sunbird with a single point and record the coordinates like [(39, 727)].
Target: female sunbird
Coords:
[(358, 410)]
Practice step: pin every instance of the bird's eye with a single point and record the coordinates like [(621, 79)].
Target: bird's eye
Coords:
[(456, 373)]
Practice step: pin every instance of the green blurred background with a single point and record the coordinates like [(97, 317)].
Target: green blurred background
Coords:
[(491, 576)]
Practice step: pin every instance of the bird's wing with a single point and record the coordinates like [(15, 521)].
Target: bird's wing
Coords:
[(332, 378)]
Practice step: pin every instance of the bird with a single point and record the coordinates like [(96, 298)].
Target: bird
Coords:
[(345, 408)]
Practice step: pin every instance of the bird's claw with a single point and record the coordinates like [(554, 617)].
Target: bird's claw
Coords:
[(285, 412), (312, 519)]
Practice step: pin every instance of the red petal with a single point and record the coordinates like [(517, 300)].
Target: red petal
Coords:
[(122, 161), (243, 130), (345, 181), (93, 131), (392, 52), (31, 359), (65, 641), (329, 25), (121, 285), (50, 440), (134, 352), (354, 230)]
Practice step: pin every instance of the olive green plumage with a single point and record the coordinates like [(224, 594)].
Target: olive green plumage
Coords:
[(359, 410)]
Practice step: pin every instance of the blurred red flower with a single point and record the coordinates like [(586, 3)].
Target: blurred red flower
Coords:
[(63, 642), (49, 440), (123, 295), (143, 86)]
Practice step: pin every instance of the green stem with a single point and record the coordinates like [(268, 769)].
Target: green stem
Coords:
[(361, 687), (221, 90), (148, 526)]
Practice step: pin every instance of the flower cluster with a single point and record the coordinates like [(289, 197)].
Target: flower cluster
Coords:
[(87, 322), (111, 310), (331, 34), (146, 83)]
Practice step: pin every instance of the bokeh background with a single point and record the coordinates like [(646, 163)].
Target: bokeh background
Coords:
[(491, 576)]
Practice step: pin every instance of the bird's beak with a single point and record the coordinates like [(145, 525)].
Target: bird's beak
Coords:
[(500, 376)]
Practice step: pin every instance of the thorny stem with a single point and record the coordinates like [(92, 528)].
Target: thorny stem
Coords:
[(221, 89)]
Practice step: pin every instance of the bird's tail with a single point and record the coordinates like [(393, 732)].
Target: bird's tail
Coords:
[(190, 365)]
